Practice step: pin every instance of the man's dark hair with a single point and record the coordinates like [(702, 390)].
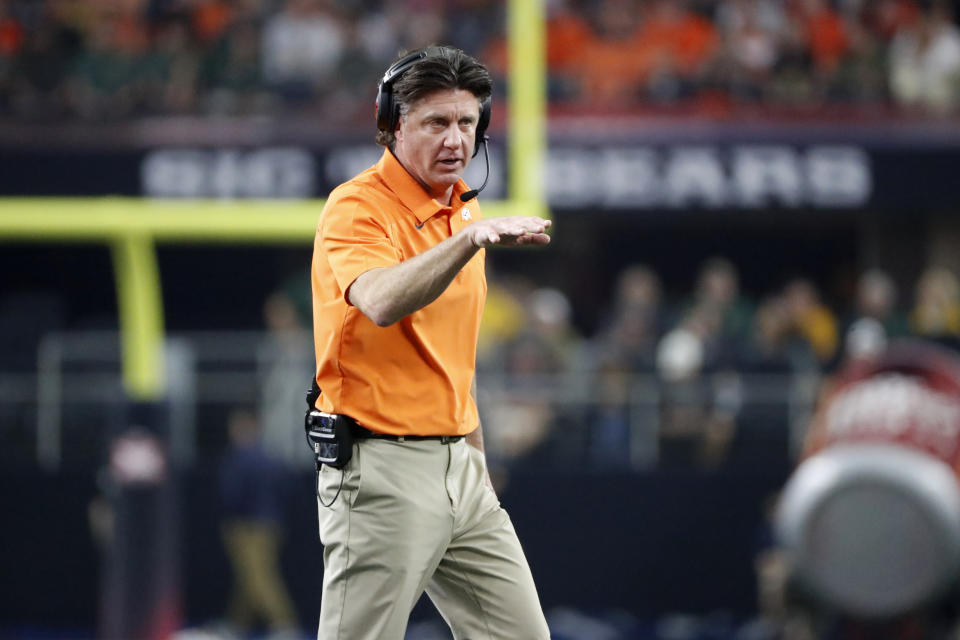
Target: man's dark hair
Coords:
[(444, 68)]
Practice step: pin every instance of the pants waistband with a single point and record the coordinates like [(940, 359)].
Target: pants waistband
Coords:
[(361, 432)]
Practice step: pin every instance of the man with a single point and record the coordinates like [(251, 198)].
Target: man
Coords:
[(398, 289), (252, 496)]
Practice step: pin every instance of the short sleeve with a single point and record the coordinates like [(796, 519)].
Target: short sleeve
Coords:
[(355, 237)]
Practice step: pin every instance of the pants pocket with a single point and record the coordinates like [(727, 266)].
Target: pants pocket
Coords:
[(337, 492)]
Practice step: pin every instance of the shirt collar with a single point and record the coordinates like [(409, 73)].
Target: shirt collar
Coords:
[(411, 193)]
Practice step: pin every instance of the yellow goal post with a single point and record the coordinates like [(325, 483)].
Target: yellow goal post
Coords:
[(132, 227)]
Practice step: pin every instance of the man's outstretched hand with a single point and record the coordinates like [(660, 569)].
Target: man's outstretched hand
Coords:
[(509, 231)]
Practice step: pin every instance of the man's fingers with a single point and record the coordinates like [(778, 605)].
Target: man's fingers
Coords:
[(515, 231), (537, 238), (534, 224), (537, 225), (528, 238)]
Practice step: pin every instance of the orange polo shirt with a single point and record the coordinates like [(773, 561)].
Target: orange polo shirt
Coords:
[(413, 377)]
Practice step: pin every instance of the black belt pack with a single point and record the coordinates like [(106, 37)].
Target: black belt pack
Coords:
[(331, 437)]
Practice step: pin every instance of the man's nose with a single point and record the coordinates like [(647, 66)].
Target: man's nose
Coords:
[(453, 137)]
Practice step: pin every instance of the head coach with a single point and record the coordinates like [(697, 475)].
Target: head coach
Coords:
[(405, 501)]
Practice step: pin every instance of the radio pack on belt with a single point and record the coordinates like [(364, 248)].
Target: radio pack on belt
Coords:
[(329, 435)]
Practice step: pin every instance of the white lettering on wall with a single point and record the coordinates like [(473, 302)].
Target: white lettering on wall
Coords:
[(694, 176), (766, 176), (838, 176), (712, 177), (282, 172), (605, 177)]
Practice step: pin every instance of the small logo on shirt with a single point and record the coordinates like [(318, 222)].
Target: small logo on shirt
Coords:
[(465, 214), (420, 226)]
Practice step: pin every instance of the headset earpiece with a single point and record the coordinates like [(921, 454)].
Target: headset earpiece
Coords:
[(482, 124), (388, 112)]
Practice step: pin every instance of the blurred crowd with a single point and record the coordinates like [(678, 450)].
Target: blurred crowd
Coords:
[(109, 59), (699, 377), (708, 376), (791, 53)]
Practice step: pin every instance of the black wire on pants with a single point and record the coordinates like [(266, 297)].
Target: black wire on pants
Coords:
[(338, 489), (317, 483)]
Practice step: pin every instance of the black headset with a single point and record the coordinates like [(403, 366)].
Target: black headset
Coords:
[(388, 111)]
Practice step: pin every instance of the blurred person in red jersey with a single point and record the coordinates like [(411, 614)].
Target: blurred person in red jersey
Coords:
[(11, 32), (886, 17), (211, 19), (680, 45), (825, 34), (568, 34), (816, 44), (861, 75), (613, 64), (12, 35)]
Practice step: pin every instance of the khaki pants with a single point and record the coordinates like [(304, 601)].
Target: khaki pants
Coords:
[(415, 516)]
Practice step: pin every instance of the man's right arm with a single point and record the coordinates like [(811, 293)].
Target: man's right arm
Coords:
[(387, 294)]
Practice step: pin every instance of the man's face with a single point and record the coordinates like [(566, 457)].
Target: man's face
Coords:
[(435, 139)]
